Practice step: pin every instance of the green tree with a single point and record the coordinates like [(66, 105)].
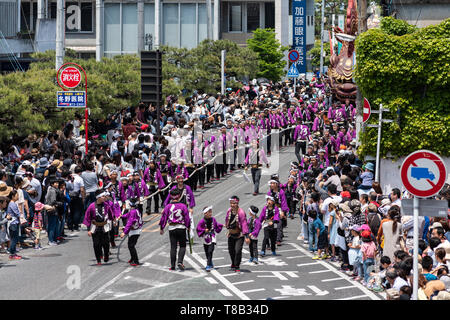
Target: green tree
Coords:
[(270, 54), (410, 75), (331, 7), (315, 54)]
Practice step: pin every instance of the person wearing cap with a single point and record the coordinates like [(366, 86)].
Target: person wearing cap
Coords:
[(270, 222), (98, 220), (38, 224), (176, 216), (254, 227), (236, 223), (133, 229), (207, 229), (367, 177), (256, 157)]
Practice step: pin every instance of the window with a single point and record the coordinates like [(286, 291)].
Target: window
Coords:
[(252, 16), (170, 24), (79, 17), (112, 28), (129, 28), (269, 13), (235, 18), (188, 27)]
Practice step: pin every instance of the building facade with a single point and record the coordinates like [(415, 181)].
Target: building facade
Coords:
[(183, 23)]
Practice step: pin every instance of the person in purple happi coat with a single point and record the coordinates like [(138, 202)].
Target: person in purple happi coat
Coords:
[(133, 229), (254, 226), (207, 229)]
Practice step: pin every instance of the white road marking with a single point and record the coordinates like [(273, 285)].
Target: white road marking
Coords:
[(186, 273), (295, 257), (225, 292), (307, 264), (254, 290), (241, 282), (211, 280), (222, 279), (147, 282), (355, 297), (333, 279), (342, 288), (332, 269), (287, 250), (320, 271)]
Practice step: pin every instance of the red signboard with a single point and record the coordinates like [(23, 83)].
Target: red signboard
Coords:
[(70, 77), (366, 110)]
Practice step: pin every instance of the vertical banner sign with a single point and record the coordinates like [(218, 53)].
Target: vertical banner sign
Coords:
[(340, 25), (299, 33)]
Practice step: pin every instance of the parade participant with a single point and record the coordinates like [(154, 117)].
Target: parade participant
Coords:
[(270, 222), (256, 157), (236, 223), (280, 201), (153, 177), (176, 215), (290, 189), (138, 189), (115, 204), (98, 220), (254, 227), (207, 229), (165, 168), (133, 229)]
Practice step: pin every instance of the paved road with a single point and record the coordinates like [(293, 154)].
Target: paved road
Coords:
[(68, 271)]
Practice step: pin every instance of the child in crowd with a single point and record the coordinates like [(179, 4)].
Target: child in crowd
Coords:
[(254, 226), (377, 279), (427, 266), (354, 254), (322, 236), (38, 224), (368, 250), (207, 229)]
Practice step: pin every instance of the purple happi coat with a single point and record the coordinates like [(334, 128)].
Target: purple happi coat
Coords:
[(175, 213), (209, 237)]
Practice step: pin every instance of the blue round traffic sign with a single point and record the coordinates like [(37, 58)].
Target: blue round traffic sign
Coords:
[(293, 55)]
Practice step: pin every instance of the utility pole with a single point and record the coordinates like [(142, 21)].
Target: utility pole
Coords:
[(157, 26), (60, 24), (321, 37), (208, 20), (99, 29), (222, 72), (141, 26)]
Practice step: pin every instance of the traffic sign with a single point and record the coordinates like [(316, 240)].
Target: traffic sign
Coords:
[(293, 71), (293, 56), (71, 99), (423, 173), (70, 77), (366, 110)]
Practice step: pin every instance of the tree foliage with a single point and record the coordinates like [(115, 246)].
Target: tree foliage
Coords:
[(28, 99), (270, 54), (315, 54), (409, 75)]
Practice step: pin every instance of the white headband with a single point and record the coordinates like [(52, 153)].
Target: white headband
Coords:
[(103, 194), (270, 197), (275, 181), (255, 213), (207, 209)]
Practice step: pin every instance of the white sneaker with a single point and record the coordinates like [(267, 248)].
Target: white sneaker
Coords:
[(52, 244)]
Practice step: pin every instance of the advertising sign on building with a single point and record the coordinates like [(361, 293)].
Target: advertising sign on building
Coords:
[(299, 33)]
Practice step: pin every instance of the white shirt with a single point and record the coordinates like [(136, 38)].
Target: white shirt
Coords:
[(399, 282), (326, 203), (77, 183)]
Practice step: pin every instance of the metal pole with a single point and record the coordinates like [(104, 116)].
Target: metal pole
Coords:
[(99, 30), (141, 26), (222, 72), (157, 26), (416, 248), (40, 9), (208, 19), (59, 34), (377, 165), (321, 37), (216, 20), (158, 97)]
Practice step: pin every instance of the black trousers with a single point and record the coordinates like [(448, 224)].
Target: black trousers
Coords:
[(132, 240), (270, 235), (209, 172), (253, 248), (193, 178), (75, 212), (292, 206), (101, 244), (177, 237), (113, 233), (300, 145), (256, 177), (201, 177), (235, 249), (155, 199), (209, 250)]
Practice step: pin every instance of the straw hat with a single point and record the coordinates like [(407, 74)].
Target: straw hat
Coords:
[(4, 189), (57, 163)]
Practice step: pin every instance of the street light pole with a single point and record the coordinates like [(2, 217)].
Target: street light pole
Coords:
[(321, 37)]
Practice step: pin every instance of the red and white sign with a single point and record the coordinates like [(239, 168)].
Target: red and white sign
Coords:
[(70, 77), (423, 173), (366, 110)]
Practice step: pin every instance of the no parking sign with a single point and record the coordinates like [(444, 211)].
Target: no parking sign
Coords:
[(423, 173)]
